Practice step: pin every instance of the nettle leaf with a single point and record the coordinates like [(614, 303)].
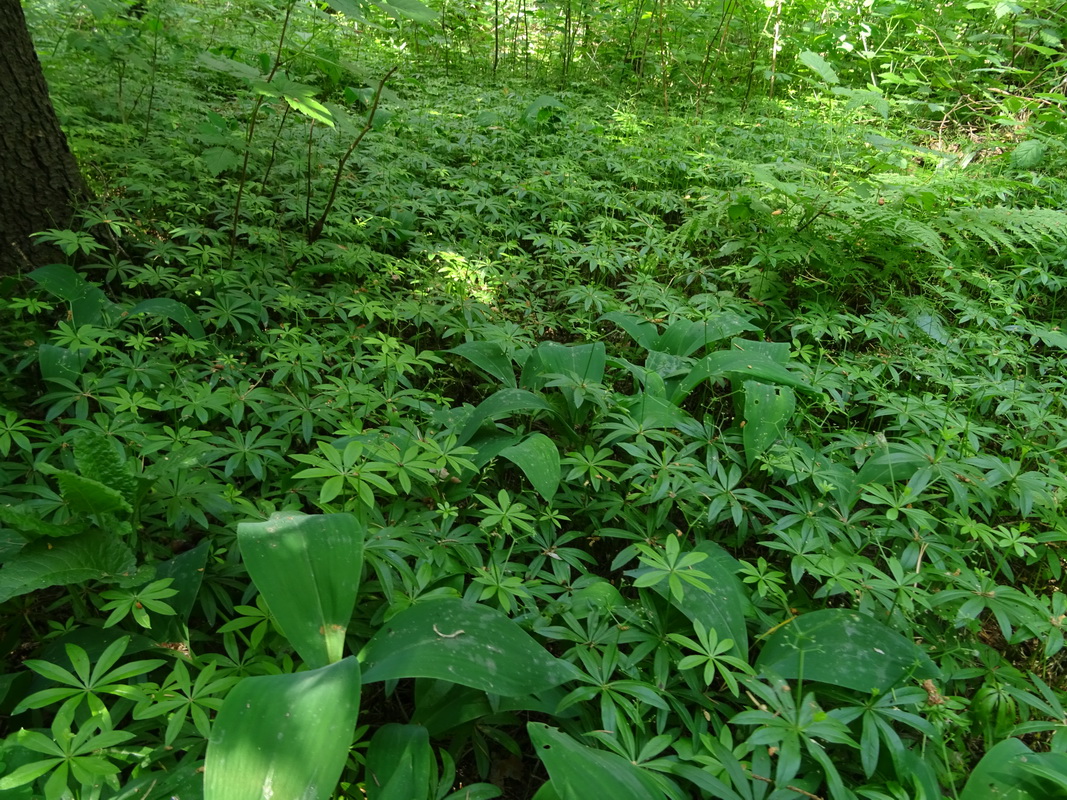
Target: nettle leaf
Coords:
[(1028, 154), (412, 9), (87, 496), (844, 648), (818, 65), (59, 562), (220, 159), (103, 459), (350, 8), (465, 643), (32, 526), (227, 66), (538, 457), (312, 108)]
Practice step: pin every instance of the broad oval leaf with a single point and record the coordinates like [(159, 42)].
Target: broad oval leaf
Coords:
[(538, 457), (501, 404), (465, 643), (172, 309), (767, 411), (488, 356), (1007, 772), (579, 772), (308, 568), (844, 648), (399, 763), (284, 736)]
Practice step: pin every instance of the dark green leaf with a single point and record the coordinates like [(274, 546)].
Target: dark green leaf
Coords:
[(472, 645)]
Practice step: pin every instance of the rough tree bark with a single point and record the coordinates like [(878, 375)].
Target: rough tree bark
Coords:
[(39, 178)]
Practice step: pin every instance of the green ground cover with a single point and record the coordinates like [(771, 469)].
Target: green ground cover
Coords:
[(715, 453)]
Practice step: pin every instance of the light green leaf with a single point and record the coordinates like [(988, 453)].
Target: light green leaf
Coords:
[(59, 363), (587, 361), (844, 648), (311, 108), (308, 568), (721, 605), (465, 643), (1028, 154), (87, 301), (284, 736), (739, 364), (538, 457), (32, 526), (818, 65), (227, 66), (354, 9), (412, 9)]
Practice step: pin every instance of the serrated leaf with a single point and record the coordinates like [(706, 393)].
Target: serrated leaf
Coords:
[(311, 108), (1028, 154), (59, 562), (412, 9), (87, 496), (32, 526), (219, 159), (227, 66), (103, 459), (350, 8)]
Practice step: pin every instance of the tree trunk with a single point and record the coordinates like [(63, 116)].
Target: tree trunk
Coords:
[(39, 178)]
